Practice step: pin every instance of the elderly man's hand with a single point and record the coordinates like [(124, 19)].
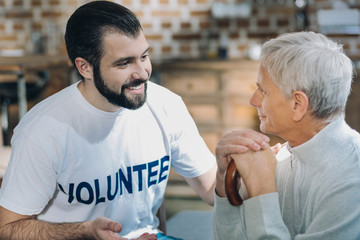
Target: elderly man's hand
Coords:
[(257, 170), (236, 142)]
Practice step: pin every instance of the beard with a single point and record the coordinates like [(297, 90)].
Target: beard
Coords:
[(120, 99)]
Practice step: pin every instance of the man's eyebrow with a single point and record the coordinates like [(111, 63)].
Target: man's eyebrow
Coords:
[(124, 59), (259, 86), (146, 51), (121, 60)]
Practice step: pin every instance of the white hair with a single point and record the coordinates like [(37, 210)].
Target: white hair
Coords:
[(313, 64)]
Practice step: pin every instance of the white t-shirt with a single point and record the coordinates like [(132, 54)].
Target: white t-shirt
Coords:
[(73, 162)]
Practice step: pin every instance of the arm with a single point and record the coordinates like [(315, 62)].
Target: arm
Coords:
[(234, 142), (16, 226), (204, 185), (260, 216), (231, 222)]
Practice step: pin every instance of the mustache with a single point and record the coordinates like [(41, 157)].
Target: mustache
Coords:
[(134, 83)]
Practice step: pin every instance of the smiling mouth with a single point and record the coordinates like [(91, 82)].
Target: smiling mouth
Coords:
[(136, 87), (135, 84)]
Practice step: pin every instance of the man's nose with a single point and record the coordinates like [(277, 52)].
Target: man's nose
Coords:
[(255, 100), (141, 71)]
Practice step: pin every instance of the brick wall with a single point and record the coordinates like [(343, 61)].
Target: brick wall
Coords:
[(174, 28)]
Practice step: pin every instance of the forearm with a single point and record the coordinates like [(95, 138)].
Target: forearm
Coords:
[(263, 218), (220, 184), (208, 197), (204, 185), (205, 193), (227, 221), (34, 229), (257, 218)]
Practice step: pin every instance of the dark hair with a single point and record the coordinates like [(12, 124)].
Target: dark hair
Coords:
[(87, 26)]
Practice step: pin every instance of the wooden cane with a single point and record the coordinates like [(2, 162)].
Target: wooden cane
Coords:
[(232, 183)]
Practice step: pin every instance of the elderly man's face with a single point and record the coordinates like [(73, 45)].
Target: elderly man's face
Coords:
[(273, 108)]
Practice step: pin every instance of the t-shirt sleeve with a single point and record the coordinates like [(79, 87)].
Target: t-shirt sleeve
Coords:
[(30, 179), (190, 155)]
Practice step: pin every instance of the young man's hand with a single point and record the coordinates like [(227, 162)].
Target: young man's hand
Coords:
[(105, 229)]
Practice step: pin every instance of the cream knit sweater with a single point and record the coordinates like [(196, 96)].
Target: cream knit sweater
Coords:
[(318, 193)]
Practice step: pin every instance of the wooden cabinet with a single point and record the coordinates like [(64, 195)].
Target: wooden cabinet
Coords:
[(217, 94)]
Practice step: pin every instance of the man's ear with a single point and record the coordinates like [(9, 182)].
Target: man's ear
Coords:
[(84, 68), (300, 105)]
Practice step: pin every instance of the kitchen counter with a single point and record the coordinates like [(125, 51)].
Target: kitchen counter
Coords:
[(32, 62), (20, 65)]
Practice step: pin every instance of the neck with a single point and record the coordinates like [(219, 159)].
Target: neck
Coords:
[(306, 130), (90, 93)]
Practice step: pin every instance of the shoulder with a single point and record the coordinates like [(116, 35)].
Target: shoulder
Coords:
[(348, 141), (161, 98), (47, 113), (155, 91), (53, 103)]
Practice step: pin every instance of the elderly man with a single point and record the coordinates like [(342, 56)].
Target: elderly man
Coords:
[(311, 188), (92, 161)]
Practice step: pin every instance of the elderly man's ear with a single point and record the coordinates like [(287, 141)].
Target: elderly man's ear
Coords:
[(300, 105)]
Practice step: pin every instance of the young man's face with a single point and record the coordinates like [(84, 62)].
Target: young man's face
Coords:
[(125, 68), (273, 108)]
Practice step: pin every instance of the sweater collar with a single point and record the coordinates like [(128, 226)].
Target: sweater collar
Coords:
[(321, 143)]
